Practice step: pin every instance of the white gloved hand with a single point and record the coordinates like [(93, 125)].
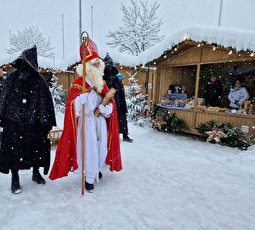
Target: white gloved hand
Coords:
[(105, 110), (79, 101), (102, 108), (83, 98)]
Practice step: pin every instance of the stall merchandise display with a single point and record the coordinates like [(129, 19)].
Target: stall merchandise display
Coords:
[(180, 101)]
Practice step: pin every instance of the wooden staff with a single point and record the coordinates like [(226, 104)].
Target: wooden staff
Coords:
[(85, 41), (108, 96)]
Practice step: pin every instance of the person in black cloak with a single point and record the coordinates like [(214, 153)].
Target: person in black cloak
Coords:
[(111, 79), (26, 115), (213, 91)]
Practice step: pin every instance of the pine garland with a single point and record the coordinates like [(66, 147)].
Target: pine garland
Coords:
[(235, 136), (165, 121)]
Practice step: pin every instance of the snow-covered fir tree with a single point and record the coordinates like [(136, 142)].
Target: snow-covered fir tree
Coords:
[(58, 94), (135, 101)]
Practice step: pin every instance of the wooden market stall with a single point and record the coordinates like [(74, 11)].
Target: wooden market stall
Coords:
[(184, 69)]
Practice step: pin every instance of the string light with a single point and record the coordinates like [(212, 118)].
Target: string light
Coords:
[(185, 37)]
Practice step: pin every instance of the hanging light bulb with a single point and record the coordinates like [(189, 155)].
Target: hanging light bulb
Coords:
[(185, 37)]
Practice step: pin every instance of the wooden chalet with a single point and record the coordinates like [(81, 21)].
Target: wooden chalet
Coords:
[(188, 64)]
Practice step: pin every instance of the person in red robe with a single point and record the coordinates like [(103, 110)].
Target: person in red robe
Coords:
[(101, 133)]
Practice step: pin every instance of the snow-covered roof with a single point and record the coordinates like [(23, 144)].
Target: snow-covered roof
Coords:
[(9, 59), (226, 37), (43, 62), (238, 39)]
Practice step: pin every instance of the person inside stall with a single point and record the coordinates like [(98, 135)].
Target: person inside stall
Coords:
[(213, 91), (238, 94)]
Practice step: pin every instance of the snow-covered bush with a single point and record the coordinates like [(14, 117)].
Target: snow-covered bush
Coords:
[(58, 94)]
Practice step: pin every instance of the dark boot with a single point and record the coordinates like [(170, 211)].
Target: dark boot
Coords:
[(127, 139), (100, 175), (89, 187), (37, 178), (15, 186)]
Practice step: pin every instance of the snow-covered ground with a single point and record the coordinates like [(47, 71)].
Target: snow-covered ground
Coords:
[(168, 182)]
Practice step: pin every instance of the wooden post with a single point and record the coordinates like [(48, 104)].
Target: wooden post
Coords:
[(196, 89)]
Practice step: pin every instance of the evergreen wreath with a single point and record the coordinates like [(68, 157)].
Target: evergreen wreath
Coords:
[(235, 137), (165, 121)]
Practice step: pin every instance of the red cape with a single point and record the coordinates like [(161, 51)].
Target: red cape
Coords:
[(66, 156)]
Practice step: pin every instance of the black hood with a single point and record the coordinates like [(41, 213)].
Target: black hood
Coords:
[(109, 63), (28, 58)]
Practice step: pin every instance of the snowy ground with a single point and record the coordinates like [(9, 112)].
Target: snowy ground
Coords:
[(168, 182)]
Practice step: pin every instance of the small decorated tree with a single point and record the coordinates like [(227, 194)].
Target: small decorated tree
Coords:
[(135, 101)]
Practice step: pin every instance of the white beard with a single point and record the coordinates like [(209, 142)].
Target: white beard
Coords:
[(94, 74)]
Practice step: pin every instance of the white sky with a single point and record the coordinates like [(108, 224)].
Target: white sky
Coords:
[(168, 182), (176, 14)]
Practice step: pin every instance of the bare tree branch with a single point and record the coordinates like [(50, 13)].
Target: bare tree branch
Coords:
[(25, 39), (140, 30)]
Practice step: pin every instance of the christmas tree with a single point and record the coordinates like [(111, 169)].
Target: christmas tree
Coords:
[(135, 101)]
